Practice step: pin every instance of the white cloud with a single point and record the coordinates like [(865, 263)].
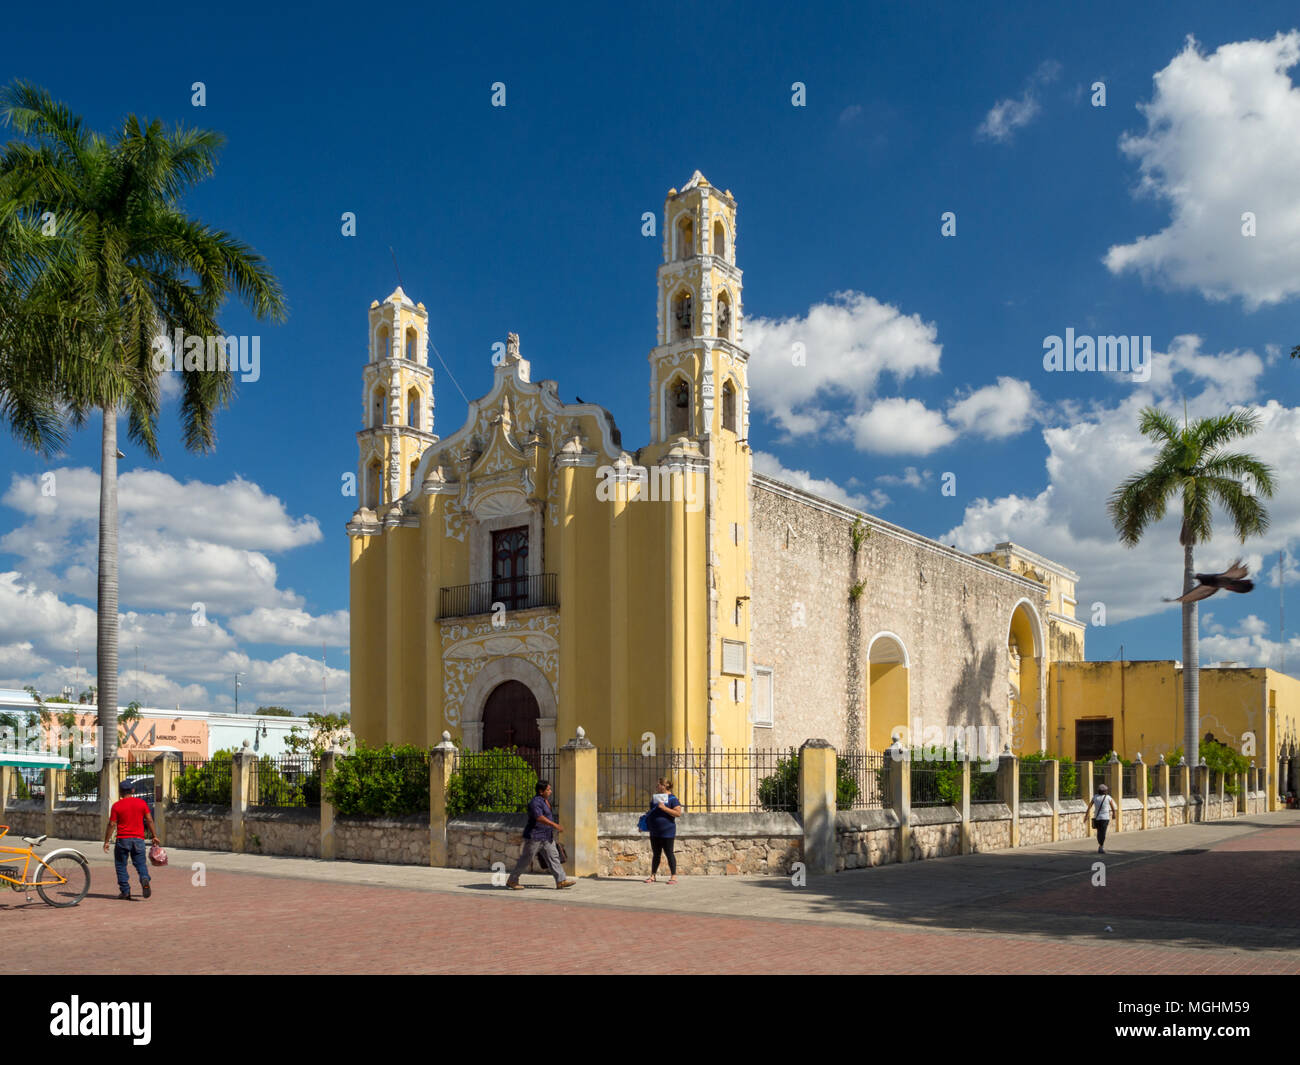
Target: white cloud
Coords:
[(910, 477), (179, 544), (995, 411), (848, 345), (1221, 140), (1007, 116), (1091, 451), (291, 625), (1249, 645), (771, 466), (900, 426)]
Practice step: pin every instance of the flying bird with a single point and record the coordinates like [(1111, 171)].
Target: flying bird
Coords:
[(1233, 579)]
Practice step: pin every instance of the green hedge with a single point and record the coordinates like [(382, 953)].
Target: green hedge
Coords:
[(780, 791), (207, 783), (492, 781), (387, 781)]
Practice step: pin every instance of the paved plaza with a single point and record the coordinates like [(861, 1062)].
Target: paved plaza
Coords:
[(1205, 898)]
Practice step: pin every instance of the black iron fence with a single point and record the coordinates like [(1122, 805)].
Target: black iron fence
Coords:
[(499, 781), (205, 780), (935, 783), (286, 780), (1035, 782), (80, 784), (721, 780), (1129, 780), (866, 770), (514, 593)]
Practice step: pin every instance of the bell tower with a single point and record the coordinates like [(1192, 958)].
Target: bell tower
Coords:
[(698, 369), (397, 401)]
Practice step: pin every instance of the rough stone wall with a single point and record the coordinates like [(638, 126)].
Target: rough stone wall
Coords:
[(24, 821), (952, 612), (399, 841), (863, 850), (935, 841), (76, 824), (1035, 829), (477, 841), (1156, 813), (703, 855), (990, 827), (289, 832), (1070, 820), (200, 828)]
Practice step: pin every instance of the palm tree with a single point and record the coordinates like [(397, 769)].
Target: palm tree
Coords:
[(128, 266), (1192, 463)]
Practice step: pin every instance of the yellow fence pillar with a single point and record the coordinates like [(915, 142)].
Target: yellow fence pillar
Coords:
[(241, 782), (53, 787), (817, 805), (164, 787), (1054, 791), (328, 840), (576, 769), (1086, 792), (967, 836), (899, 769), (442, 762)]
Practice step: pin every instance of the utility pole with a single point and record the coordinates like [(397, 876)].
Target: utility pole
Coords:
[(237, 676)]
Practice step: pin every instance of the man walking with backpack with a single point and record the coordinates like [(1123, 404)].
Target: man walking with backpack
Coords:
[(539, 837)]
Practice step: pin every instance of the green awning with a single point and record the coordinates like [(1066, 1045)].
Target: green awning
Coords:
[(38, 760)]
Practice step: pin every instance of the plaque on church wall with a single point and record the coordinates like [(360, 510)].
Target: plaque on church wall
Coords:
[(733, 657)]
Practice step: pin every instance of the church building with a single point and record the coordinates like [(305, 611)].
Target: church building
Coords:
[(529, 574)]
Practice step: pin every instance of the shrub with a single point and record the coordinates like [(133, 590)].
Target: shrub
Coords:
[(780, 791), (81, 782), (1069, 777), (209, 782), (387, 781), (274, 788), (493, 781)]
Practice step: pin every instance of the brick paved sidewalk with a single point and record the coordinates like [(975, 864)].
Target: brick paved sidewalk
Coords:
[(1226, 910)]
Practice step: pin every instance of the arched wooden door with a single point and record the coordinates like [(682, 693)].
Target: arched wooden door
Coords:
[(510, 720)]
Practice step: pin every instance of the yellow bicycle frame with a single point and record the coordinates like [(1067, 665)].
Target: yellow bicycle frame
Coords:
[(27, 855)]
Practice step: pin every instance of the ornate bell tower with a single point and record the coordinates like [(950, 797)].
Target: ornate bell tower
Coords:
[(397, 401), (698, 381)]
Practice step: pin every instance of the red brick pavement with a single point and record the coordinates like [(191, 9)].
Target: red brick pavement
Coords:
[(241, 923)]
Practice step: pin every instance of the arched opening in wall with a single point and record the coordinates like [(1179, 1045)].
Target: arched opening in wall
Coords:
[(377, 404), (1023, 663), (413, 408), (888, 691), (412, 339), (719, 240), (414, 463), (383, 343), (685, 237), (677, 417), (374, 484), (682, 317), (510, 720), (724, 316), (729, 407)]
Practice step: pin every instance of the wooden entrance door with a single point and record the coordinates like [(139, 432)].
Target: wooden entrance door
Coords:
[(510, 720)]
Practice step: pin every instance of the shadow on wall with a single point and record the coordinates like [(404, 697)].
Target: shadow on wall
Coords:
[(969, 702)]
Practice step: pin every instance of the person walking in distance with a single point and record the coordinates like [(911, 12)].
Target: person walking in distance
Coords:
[(539, 837), (661, 822), (130, 816), (1102, 808)]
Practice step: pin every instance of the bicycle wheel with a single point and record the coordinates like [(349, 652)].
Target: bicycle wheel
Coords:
[(74, 869)]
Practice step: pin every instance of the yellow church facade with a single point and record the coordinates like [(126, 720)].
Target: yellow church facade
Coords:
[(528, 574)]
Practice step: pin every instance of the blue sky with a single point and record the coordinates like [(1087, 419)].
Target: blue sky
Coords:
[(924, 352)]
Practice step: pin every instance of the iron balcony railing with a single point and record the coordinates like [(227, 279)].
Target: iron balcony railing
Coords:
[(515, 593)]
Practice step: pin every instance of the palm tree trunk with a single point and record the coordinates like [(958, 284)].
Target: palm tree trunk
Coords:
[(106, 613), (1191, 667)]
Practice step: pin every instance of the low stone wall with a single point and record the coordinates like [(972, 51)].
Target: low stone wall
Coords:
[(24, 819), (478, 841), (865, 838), (1156, 811), (76, 822), (1070, 820), (392, 841), (1035, 823), (706, 845), (990, 826), (196, 826), (936, 832), (286, 831)]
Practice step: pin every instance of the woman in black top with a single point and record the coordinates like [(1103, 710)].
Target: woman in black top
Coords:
[(662, 822)]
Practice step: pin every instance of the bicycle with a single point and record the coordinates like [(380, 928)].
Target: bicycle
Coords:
[(61, 878)]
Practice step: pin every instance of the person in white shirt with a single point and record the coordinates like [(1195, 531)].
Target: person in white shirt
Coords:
[(1102, 808)]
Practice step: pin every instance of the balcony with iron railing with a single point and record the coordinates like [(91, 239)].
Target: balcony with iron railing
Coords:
[(514, 593)]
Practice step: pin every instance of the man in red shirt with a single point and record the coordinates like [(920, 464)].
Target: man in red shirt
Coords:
[(131, 817)]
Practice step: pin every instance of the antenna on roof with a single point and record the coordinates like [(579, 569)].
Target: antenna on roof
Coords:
[(395, 269)]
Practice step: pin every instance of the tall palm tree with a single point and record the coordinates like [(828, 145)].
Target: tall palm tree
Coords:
[(130, 266), (1192, 464)]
